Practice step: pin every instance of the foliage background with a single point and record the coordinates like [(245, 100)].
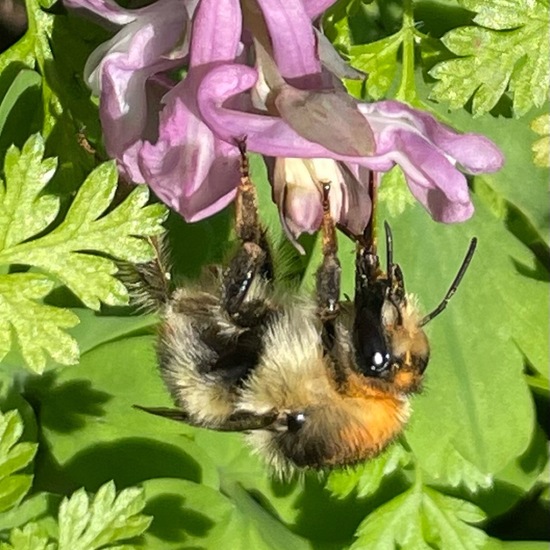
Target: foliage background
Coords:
[(472, 468)]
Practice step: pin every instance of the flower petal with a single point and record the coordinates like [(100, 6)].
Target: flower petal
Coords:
[(107, 10), (217, 28), (433, 180), (124, 109), (298, 198), (314, 8), (330, 118), (475, 153), (332, 61), (151, 39), (297, 190), (272, 136), (188, 167), (265, 134), (357, 206), (293, 41)]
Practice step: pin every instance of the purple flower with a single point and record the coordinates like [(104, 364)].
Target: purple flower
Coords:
[(188, 167), (297, 187), (260, 69), (127, 71)]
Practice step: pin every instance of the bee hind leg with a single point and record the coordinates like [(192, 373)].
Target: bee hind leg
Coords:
[(328, 275), (253, 256)]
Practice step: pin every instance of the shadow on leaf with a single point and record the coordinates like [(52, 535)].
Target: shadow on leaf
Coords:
[(129, 462), (320, 510), (69, 403), (171, 517)]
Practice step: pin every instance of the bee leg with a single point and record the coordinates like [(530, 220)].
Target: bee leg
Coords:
[(245, 421), (237, 422), (253, 257), (328, 275), (149, 284)]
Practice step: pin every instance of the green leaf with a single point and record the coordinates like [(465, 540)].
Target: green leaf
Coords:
[(94, 329), (487, 423), (189, 515), (32, 509), (422, 518), (523, 545), (38, 327), (394, 192), (73, 253), (515, 480), (510, 51), (450, 467), (24, 80), (14, 456), (379, 61), (92, 435), (365, 478), (252, 526), (65, 251), (541, 147), (108, 518), (185, 514), (30, 537), (24, 211)]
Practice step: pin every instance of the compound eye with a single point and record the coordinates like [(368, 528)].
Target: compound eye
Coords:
[(295, 421), (380, 362), (370, 333)]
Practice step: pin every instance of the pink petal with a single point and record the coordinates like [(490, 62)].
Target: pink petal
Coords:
[(330, 118), (432, 179), (357, 207), (265, 134), (475, 153), (124, 109), (217, 28), (107, 10), (314, 8), (188, 168), (293, 41)]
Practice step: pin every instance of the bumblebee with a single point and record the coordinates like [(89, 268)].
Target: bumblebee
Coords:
[(314, 382)]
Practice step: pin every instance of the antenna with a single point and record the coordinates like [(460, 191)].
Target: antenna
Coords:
[(389, 247), (454, 285)]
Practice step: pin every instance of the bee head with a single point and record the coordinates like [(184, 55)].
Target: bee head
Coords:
[(390, 344), (389, 341)]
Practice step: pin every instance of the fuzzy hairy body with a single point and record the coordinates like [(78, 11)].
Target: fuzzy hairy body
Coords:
[(314, 382), (215, 369)]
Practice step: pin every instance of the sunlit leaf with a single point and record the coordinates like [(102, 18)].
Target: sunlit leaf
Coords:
[(366, 478), (88, 524), (379, 61), (541, 147), (509, 51), (422, 518), (73, 253), (39, 328), (30, 537), (14, 456)]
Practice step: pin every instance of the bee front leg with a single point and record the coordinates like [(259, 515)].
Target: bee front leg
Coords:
[(328, 275), (253, 257)]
